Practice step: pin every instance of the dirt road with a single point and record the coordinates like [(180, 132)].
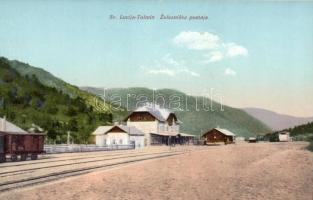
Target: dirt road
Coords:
[(240, 171)]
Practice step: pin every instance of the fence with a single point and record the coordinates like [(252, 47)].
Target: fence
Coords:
[(64, 148)]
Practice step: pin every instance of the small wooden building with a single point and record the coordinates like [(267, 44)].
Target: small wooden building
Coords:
[(217, 135), (119, 135), (284, 136), (252, 140)]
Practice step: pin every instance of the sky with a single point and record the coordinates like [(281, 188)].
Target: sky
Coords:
[(251, 53)]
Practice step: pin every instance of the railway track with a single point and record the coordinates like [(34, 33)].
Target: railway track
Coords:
[(65, 158), (21, 182), (22, 171)]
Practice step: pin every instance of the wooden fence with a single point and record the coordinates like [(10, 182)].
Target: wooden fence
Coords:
[(64, 148)]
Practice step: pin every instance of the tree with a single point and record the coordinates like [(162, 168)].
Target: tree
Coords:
[(71, 111), (52, 134), (73, 125), (52, 109)]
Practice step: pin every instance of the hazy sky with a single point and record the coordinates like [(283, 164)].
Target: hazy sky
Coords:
[(254, 54)]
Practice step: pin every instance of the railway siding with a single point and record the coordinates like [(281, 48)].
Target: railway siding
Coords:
[(17, 175)]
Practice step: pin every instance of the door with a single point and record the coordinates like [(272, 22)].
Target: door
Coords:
[(35, 143), (1, 144)]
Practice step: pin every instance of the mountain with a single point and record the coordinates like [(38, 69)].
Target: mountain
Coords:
[(190, 110), (29, 103), (48, 79), (195, 122), (275, 120)]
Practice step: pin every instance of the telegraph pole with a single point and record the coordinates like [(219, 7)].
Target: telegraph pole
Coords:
[(68, 137)]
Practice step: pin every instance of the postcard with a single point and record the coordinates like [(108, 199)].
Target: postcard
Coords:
[(156, 100)]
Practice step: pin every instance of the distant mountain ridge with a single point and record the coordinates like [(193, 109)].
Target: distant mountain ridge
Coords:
[(45, 77), (275, 120), (195, 119)]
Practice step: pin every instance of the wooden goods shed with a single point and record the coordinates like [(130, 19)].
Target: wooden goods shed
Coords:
[(217, 135)]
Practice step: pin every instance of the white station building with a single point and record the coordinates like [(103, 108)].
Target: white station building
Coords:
[(119, 135), (147, 125)]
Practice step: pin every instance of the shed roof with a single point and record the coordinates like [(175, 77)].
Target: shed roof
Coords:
[(172, 134), (284, 132), (186, 135), (166, 133), (131, 130), (19, 133)]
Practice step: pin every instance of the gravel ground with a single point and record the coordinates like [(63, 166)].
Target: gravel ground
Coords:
[(241, 171), (17, 171)]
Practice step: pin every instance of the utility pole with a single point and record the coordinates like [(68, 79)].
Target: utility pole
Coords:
[(68, 137)]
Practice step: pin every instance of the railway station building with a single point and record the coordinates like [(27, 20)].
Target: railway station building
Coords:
[(157, 125)]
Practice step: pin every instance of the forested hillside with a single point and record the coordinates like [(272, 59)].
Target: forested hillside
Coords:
[(298, 133), (25, 101)]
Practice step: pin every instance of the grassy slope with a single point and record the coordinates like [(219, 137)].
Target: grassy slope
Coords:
[(194, 121)]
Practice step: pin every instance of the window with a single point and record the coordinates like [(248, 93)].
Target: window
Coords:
[(121, 141), (161, 127)]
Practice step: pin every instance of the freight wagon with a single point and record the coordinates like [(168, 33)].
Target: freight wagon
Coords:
[(23, 145)]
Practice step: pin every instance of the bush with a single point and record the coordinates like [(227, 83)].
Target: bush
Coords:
[(310, 147), (52, 109), (274, 137)]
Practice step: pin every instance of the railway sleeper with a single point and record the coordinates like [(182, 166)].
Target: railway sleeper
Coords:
[(16, 157), (2, 158)]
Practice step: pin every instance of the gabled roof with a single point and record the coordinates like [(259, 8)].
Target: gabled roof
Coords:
[(224, 131), (10, 127), (131, 130), (102, 130), (155, 110)]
